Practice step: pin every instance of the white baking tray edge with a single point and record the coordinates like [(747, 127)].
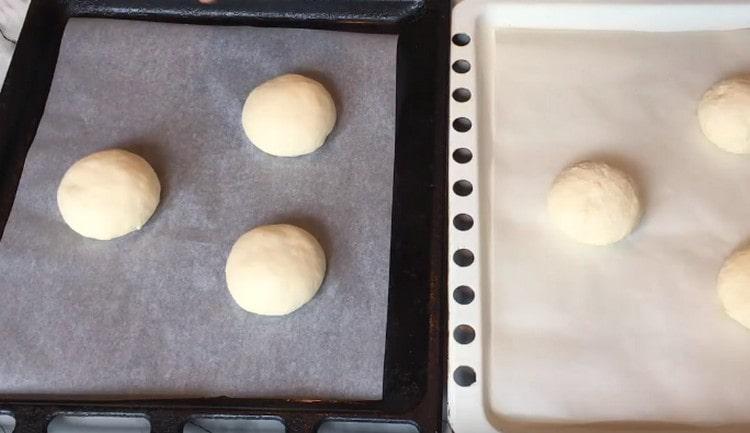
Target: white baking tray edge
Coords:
[(468, 409)]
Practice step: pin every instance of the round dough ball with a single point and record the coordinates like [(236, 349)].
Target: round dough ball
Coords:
[(594, 203), (733, 285), (108, 194), (290, 115), (275, 269), (724, 114)]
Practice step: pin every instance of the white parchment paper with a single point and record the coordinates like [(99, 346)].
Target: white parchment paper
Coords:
[(633, 332), (148, 314)]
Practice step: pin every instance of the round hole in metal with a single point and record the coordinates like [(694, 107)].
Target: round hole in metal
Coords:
[(461, 39), (464, 295), (462, 155), (463, 188), (463, 257), (462, 124), (461, 94), (463, 222), (464, 376), (461, 66), (464, 334)]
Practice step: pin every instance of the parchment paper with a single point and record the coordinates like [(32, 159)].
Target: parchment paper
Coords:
[(633, 332), (149, 314)]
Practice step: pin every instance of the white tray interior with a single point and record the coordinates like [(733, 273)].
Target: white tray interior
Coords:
[(574, 338)]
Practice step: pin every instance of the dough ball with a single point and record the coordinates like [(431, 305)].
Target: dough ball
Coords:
[(290, 115), (594, 203), (724, 114), (733, 286), (108, 194), (275, 269)]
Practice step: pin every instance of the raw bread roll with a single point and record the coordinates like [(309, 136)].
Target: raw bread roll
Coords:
[(594, 203), (275, 269), (724, 114), (108, 194), (733, 285), (290, 115)]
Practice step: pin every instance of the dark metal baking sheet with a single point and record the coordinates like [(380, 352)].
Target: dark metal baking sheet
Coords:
[(413, 378)]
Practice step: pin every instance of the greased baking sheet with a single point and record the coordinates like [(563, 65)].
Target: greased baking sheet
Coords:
[(148, 315)]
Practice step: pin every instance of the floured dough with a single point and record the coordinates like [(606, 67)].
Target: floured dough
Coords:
[(733, 285), (724, 114), (275, 269), (108, 194), (594, 203), (290, 115)]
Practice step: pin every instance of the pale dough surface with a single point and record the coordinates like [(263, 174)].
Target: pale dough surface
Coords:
[(108, 194), (273, 270), (290, 115), (724, 114), (733, 286), (594, 203)]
